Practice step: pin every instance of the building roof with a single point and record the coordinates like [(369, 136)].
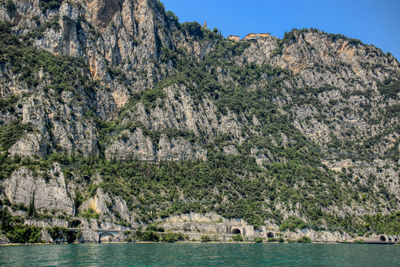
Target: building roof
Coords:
[(256, 35)]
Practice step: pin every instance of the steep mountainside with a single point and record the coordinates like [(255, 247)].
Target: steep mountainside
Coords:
[(113, 110)]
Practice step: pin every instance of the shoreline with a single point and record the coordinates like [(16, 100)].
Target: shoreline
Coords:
[(191, 242)]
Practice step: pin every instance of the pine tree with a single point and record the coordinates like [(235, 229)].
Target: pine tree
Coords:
[(31, 208)]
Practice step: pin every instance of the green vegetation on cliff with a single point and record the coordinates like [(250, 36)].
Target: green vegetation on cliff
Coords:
[(300, 151)]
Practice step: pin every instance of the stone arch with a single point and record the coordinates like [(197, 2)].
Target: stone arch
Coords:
[(395, 239), (270, 234), (236, 231), (105, 237), (390, 239), (382, 238)]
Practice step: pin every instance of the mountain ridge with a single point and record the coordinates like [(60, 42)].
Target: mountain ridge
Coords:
[(121, 113)]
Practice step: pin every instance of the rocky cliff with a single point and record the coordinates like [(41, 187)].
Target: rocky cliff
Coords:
[(115, 111)]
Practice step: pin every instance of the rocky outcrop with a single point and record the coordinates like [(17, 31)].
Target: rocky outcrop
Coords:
[(131, 146), (305, 50), (4, 239), (318, 236), (28, 146), (98, 203), (24, 187)]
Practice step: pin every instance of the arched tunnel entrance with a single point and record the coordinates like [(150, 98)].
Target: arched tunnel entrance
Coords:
[(270, 235), (236, 231), (382, 238)]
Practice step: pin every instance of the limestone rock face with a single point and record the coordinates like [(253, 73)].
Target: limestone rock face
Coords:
[(128, 34), (318, 236), (106, 35), (28, 146), (53, 194), (111, 208), (136, 147), (179, 149), (209, 223), (308, 49), (98, 203)]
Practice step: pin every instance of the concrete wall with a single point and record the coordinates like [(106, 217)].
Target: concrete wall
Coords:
[(249, 231)]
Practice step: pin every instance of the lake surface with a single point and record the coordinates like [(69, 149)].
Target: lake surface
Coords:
[(201, 255)]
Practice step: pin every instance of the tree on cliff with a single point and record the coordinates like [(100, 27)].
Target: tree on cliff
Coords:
[(5, 219), (31, 208)]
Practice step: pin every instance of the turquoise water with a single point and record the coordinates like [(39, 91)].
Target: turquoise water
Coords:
[(201, 255)]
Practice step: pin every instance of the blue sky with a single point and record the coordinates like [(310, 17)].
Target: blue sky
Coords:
[(372, 21)]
